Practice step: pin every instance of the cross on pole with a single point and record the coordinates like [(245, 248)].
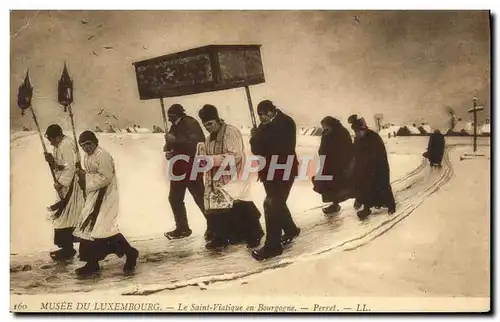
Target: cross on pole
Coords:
[(474, 111)]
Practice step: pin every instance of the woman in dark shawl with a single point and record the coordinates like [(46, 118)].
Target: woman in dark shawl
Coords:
[(371, 174), (336, 148), (435, 149)]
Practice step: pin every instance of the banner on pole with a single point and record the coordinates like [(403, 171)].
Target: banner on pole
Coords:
[(199, 70)]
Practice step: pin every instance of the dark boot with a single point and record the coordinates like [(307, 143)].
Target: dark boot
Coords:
[(236, 240), (89, 269), (357, 205), (391, 209), (254, 242), (178, 233), (287, 238), (363, 214), (209, 235), (217, 244), (63, 254), (266, 252), (333, 208), (131, 262)]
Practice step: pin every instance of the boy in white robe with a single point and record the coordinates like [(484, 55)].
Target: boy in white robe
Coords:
[(98, 230), (235, 220), (66, 211)]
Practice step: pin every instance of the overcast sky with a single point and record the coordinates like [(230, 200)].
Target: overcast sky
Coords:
[(406, 65)]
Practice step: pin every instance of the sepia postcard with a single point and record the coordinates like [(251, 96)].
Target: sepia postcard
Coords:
[(305, 161)]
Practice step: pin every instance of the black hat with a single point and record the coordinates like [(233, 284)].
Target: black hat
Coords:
[(88, 136), (53, 131), (265, 106), (330, 121), (208, 113), (176, 109)]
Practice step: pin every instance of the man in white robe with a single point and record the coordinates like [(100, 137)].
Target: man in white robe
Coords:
[(98, 229), (233, 216), (66, 211)]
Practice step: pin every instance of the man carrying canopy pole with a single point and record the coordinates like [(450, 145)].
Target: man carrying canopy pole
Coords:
[(182, 139)]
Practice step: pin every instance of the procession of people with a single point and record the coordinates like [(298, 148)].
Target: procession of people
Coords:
[(210, 168)]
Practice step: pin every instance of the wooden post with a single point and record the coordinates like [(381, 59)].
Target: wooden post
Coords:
[(474, 111), (164, 115), (250, 106), (79, 159), (475, 127), (45, 149)]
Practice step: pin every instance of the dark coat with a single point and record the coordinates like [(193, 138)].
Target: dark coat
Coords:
[(435, 148), (371, 174), (337, 147), (279, 138), (188, 134)]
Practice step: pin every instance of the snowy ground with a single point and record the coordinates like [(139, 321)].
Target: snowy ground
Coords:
[(145, 215), (441, 251)]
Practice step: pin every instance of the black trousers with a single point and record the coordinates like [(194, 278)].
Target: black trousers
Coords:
[(176, 199), (276, 212), (95, 250), (63, 237), (237, 225)]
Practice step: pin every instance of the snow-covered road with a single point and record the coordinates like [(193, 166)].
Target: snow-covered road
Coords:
[(169, 264)]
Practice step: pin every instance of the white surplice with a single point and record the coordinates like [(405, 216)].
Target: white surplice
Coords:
[(101, 173)]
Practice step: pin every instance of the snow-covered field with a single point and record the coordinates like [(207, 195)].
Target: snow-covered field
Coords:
[(145, 214)]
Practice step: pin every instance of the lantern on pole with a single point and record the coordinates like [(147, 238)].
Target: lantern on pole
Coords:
[(65, 89), (65, 98), (24, 96)]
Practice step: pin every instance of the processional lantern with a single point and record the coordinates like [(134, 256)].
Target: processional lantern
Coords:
[(65, 98), (65, 89), (25, 94)]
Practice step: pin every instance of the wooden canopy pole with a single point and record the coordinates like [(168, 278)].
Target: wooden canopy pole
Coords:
[(250, 106)]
